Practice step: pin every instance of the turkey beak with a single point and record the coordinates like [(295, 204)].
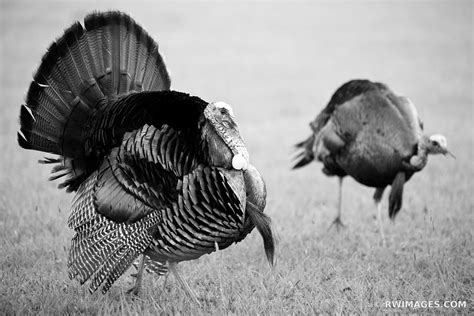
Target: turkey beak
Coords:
[(450, 154)]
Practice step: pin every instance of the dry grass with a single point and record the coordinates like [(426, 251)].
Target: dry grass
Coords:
[(278, 64)]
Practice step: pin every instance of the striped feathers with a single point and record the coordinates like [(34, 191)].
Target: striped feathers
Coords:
[(101, 248), (152, 266), (164, 146), (207, 210)]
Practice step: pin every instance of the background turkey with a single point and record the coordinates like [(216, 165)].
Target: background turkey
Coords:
[(157, 172), (373, 135)]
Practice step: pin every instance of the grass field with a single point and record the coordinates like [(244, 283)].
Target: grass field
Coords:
[(277, 64)]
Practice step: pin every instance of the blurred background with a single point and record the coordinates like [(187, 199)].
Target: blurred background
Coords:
[(277, 63)]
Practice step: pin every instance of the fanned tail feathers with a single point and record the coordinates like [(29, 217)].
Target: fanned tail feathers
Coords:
[(304, 152), (131, 61), (102, 250), (109, 56)]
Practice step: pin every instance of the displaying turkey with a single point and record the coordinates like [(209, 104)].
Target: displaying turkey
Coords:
[(157, 172), (373, 135)]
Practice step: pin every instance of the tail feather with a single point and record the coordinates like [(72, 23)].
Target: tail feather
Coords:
[(395, 198), (109, 56), (127, 58), (140, 66), (47, 136), (95, 47), (71, 61), (304, 152)]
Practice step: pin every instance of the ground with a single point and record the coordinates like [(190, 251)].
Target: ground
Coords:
[(277, 63)]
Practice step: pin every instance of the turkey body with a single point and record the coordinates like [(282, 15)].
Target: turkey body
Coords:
[(378, 141), (156, 172), (369, 133)]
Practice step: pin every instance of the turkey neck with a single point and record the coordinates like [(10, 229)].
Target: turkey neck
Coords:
[(420, 158), (221, 134)]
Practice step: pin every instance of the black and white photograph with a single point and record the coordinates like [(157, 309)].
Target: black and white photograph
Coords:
[(257, 157)]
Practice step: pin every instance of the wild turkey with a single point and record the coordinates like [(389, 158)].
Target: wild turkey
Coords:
[(373, 135), (157, 172)]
